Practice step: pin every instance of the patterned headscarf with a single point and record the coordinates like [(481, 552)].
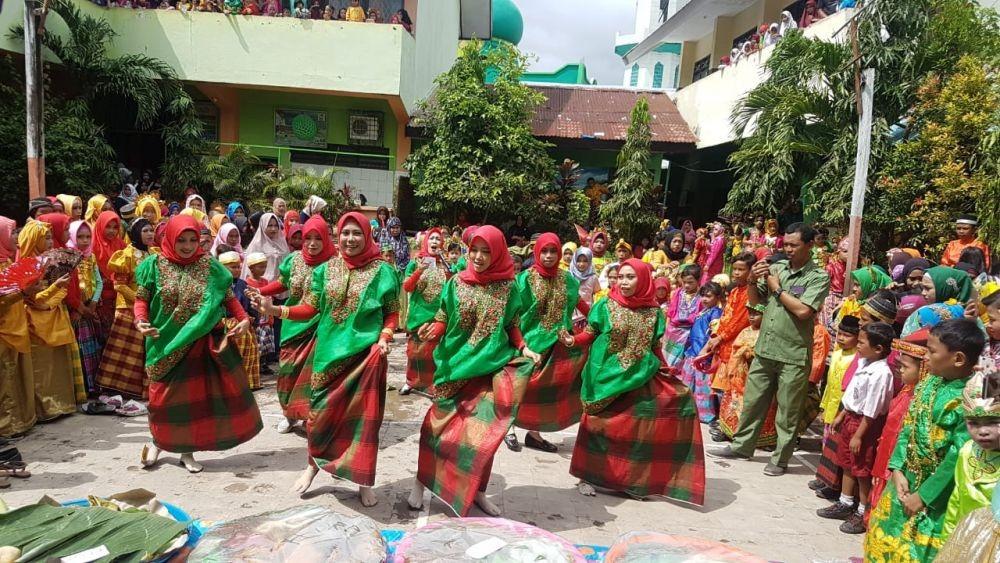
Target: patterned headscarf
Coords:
[(949, 284), (400, 246), (869, 280), (589, 272), (31, 239)]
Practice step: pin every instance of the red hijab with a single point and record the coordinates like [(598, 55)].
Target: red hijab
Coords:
[(296, 228), (316, 224), (289, 216), (175, 227), (425, 244), (645, 294), (468, 233), (502, 266), (103, 246), (544, 241), (665, 284), (370, 252), (60, 228)]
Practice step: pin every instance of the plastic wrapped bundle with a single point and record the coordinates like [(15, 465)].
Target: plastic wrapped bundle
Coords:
[(652, 547), (301, 534), (976, 539), (495, 540)]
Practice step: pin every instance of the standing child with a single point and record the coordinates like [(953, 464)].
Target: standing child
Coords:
[(694, 364), (737, 369), (906, 522), (256, 278), (859, 423), (843, 355), (684, 307), (978, 467), (246, 342)]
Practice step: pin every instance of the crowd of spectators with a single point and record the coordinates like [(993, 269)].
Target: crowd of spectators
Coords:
[(770, 34), (315, 10)]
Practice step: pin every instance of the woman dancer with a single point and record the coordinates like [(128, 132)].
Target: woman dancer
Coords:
[(479, 379), (424, 280), (199, 397), (298, 338), (123, 365), (355, 298), (549, 297), (640, 432)]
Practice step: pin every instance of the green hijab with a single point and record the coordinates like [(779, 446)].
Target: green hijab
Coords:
[(870, 279), (950, 283)]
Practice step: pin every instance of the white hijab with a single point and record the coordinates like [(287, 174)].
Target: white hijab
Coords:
[(314, 205), (276, 249), (787, 23)]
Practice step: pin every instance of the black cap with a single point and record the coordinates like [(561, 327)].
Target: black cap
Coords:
[(850, 324)]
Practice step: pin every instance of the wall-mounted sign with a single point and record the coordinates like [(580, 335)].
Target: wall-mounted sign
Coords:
[(300, 128)]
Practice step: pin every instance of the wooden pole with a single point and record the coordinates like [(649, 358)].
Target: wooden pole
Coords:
[(860, 173), (33, 82)]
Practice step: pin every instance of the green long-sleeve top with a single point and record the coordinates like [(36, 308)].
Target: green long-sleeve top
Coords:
[(623, 356), (477, 319), (547, 307), (352, 307), (933, 434), (425, 297), (297, 277)]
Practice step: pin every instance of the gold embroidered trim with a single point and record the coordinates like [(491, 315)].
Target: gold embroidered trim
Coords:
[(631, 332), (481, 308)]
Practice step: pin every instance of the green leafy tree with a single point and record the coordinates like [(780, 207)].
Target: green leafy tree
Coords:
[(630, 209), (481, 154)]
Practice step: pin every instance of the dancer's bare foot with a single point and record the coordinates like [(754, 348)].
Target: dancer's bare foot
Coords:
[(305, 480), (485, 505), (367, 496), (416, 498), (187, 460), (149, 456), (586, 489)]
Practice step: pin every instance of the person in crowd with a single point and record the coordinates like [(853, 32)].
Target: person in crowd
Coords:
[(630, 399), (913, 274), (906, 522), (394, 237), (38, 207), (315, 10), (229, 235), (269, 241), (867, 280), (859, 424), (734, 378), (483, 366), (181, 299), (685, 304), (250, 8), (773, 35), (402, 17), (794, 290), (582, 268), (978, 467), (811, 13), (20, 282), (695, 365), (272, 8), (568, 251), (83, 293), (257, 264), (300, 11), (72, 206), (216, 222), (942, 284), (95, 206), (424, 281), (246, 342), (293, 236), (106, 241), (355, 13), (549, 297), (715, 255), (787, 23), (518, 233), (965, 227), (599, 248), (840, 361), (123, 364)]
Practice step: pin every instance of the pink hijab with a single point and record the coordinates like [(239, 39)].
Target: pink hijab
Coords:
[(8, 244)]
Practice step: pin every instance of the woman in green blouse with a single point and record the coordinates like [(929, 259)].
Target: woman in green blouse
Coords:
[(355, 302), (479, 380), (639, 433), (423, 281)]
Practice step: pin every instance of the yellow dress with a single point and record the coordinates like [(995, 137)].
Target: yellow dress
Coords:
[(840, 360), (356, 14), (17, 380), (55, 356)]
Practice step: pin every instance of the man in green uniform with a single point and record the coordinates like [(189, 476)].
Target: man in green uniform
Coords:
[(793, 291)]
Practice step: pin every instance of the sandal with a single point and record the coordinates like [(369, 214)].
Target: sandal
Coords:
[(132, 408), (541, 445), (97, 407), (115, 401), (17, 469)]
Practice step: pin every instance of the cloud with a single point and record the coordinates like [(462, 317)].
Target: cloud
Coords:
[(561, 32)]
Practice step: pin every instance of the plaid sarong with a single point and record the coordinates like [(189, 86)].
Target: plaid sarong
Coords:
[(552, 399), (204, 402), (246, 345), (90, 351), (294, 375), (646, 442), (123, 362), (674, 341), (461, 433), (348, 402), (265, 341), (420, 364), (700, 384), (828, 470)]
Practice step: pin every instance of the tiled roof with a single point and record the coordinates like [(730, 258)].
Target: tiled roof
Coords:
[(602, 114)]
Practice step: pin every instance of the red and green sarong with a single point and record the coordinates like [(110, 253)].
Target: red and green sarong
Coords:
[(552, 399), (123, 361), (204, 402), (464, 428), (420, 363), (645, 442), (294, 376), (348, 403)]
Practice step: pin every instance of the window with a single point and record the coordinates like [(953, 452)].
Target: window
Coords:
[(702, 68), (365, 128), (634, 80), (677, 76), (743, 38), (658, 75)]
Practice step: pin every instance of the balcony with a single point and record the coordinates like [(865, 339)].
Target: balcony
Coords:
[(707, 103), (375, 60)]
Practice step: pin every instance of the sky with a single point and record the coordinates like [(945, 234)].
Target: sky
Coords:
[(560, 32)]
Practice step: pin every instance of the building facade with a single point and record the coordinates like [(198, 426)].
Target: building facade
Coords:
[(659, 67)]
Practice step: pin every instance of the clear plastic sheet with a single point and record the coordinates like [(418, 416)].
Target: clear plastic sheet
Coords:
[(976, 539), (494, 540), (652, 547), (302, 534)]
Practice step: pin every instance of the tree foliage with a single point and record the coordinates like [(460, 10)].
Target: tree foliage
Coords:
[(799, 126), (481, 154), (630, 209)]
